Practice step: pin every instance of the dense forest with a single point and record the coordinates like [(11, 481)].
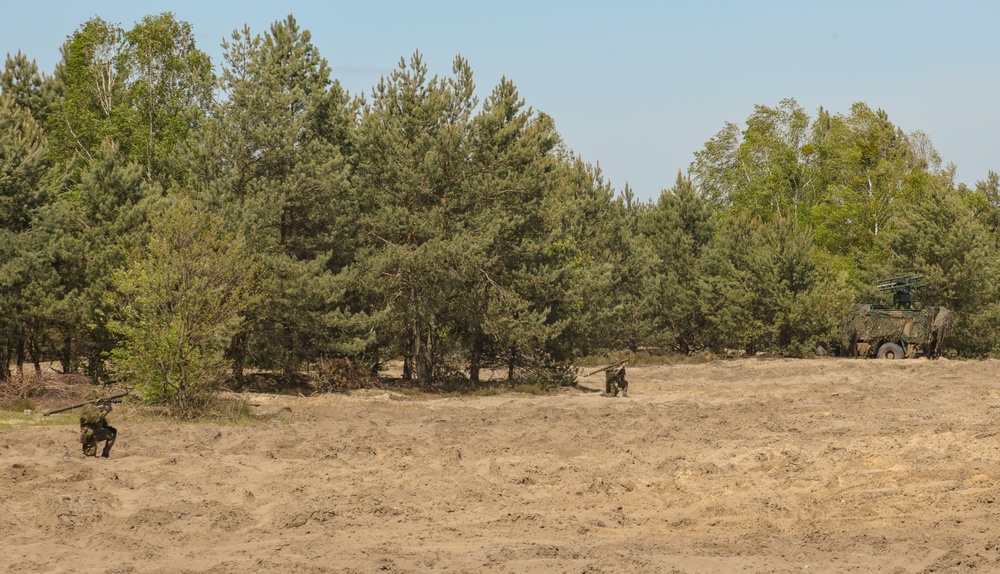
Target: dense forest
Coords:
[(177, 222)]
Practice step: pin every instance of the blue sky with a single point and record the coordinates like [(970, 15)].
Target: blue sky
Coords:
[(634, 86)]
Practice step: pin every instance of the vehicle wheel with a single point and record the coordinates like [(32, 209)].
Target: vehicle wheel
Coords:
[(891, 351)]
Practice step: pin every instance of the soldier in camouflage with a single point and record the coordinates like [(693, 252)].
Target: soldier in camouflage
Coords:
[(614, 380), (94, 428)]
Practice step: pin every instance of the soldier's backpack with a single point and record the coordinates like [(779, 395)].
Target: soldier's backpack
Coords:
[(90, 415)]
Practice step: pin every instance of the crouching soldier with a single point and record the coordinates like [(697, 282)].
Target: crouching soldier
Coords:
[(614, 380), (94, 428)]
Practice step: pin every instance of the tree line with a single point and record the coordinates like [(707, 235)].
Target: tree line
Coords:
[(176, 224)]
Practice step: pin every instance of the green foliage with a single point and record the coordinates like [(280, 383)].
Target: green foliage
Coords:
[(548, 375), (845, 176), (22, 165), (272, 160), (93, 91), (679, 227), (871, 171), (765, 170), (77, 242), (22, 193), (978, 331), (169, 87), (942, 239), (304, 227), (456, 259), (142, 90), (30, 89), (763, 289), (984, 201), (178, 304), (601, 261)]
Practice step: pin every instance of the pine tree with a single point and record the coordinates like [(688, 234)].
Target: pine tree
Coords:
[(411, 165), (82, 238), (283, 180), (22, 193), (679, 227), (941, 239), (501, 236), (764, 289), (602, 264), (31, 90)]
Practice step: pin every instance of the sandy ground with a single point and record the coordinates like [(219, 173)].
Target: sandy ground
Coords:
[(825, 465)]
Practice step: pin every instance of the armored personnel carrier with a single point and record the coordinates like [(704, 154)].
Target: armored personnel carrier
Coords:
[(900, 331)]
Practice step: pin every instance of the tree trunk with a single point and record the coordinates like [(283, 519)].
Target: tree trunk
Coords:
[(95, 367), (20, 348), (425, 355), (478, 340), (290, 362), (510, 364), (66, 354), (4, 363), (408, 353), (421, 349), (182, 386), (375, 365), (475, 358), (35, 350), (237, 354)]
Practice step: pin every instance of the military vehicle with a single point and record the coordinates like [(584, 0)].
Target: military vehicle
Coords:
[(900, 331)]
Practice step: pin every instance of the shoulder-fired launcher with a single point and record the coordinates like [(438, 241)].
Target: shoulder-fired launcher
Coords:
[(115, 398), (610, 366)]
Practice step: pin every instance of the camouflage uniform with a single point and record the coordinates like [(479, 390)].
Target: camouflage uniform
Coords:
[(94, 428), (614, 381)]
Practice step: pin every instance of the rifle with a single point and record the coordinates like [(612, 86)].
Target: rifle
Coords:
[(116, 398)]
